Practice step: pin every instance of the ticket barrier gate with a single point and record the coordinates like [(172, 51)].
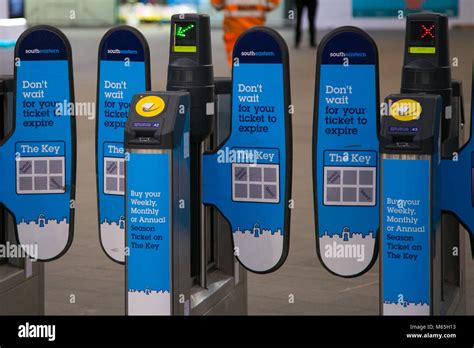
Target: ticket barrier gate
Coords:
[(220, 287), (415, 244), (21, 281), (159, 161), (199, 272), (157, 204), (403, 177), (215, 281), (232, 220), (37, 152), (433, 246)]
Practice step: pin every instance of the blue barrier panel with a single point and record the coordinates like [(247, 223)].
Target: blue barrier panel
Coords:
[(38, 157), (410, 214), (157, 200), (148, 234), (407, 226), (457, 186), (248, 178), (345, 152), (124, 70)]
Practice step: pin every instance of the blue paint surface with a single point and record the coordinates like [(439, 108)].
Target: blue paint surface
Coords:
[(246, 179), (407, 232), (148, 222), (37, 167), (122, 74), (346, 154)]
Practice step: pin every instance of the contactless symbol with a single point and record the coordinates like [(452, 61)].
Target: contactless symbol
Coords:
[(150, 106), (406, 110)]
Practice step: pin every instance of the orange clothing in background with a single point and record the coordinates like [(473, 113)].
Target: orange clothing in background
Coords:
[(240, 15)]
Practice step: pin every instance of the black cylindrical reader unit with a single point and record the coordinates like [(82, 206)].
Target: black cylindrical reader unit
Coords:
[(426, 67), (190, 68), (427, 70)]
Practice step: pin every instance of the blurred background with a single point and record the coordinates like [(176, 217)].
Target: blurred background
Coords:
[(96, 13)]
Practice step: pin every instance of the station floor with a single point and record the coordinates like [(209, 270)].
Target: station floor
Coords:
[(98, 284)]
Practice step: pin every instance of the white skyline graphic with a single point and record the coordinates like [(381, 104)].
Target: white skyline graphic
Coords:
[(112, 235), (50, 235), (149, 302), (258, 248), (347, 253), (405, 308)]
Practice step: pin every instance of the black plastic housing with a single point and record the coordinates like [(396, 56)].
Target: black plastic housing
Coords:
[(138, 135), (418, 136), (194, 72), (6, 86), (429, 73)]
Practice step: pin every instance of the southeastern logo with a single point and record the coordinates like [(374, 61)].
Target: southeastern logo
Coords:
[(42, 51), (406, 110), (119, 51)]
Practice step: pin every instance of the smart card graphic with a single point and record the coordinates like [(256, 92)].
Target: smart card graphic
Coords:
[(149, 107), (257, 181), (37, 172), (350, 178), (457, 185), (38, 177), (248, 178), (345, 152), (114, 165), (406, 110), (124, 70)]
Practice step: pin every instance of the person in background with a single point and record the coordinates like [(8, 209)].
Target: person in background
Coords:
[(240, 15), (311, 7)]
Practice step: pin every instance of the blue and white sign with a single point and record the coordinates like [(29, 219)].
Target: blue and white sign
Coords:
[(345, 151), (124, 70), (457, 184), (391, 8), (148, 234), (249, 177), (38, 158), (406, 237)]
